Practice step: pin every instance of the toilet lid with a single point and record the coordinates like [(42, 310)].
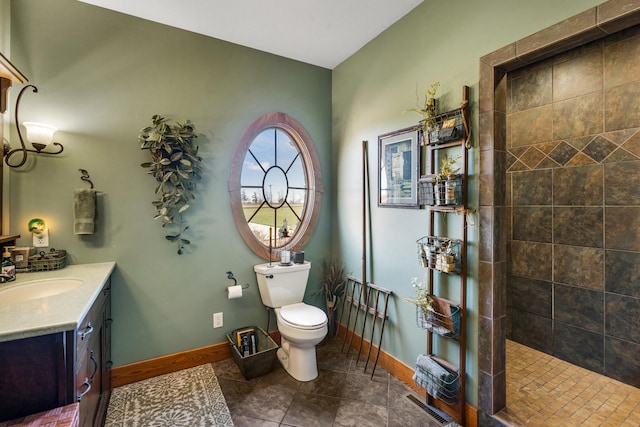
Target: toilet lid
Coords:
[(303, 315)]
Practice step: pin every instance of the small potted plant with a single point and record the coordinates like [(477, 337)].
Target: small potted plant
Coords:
[(333, 286), (175, 164), (421, 301), (428, 112)]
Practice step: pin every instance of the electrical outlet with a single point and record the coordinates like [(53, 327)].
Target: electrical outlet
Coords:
[(41, 240), (217, 320)]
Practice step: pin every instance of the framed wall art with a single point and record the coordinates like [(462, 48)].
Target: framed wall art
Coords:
[(398, 169)]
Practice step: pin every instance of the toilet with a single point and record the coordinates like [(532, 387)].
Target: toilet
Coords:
[(301, 326)]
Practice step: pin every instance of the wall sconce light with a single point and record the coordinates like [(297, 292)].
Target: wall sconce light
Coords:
[(40, 232), (38, 134)]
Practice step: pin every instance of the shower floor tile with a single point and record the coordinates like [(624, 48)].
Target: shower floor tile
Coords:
[(545, 391)]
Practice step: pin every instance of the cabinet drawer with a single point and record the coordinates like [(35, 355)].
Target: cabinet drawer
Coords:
[(87, 331)]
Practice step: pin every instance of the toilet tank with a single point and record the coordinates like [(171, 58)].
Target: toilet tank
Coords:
[(282, 285)]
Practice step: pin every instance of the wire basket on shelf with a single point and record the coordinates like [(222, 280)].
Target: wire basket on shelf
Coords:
[(449, 127), (432, 319), (426, 194), (440, 381), (440, 253), (48, 261), (448, 192), (434, 191)]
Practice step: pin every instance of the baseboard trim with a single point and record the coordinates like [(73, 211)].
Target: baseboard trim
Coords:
[(138, 371)]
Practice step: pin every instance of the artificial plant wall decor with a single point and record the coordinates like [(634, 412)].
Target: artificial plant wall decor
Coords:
[(175, 165)]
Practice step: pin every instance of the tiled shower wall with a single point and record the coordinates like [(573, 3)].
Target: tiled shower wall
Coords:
[(573, 191)]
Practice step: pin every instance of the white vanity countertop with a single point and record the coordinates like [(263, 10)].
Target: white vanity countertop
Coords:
[(57, 313)]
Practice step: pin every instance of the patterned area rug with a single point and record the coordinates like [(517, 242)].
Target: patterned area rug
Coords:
[(190, 398)]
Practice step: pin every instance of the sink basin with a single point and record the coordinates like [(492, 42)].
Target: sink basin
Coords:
[(36, 289)]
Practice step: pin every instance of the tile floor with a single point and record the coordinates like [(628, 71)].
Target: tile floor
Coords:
[(342, 395), (545, 391)]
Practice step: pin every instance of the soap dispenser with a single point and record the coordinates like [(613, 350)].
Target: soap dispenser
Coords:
[(8, 272)]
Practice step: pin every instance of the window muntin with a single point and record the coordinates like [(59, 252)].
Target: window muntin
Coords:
[(275, 185)]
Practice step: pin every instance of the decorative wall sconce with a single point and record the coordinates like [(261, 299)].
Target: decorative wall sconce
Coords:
[(40, 136)]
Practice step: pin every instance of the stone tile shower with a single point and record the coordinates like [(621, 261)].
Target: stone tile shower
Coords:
[(573, 203)]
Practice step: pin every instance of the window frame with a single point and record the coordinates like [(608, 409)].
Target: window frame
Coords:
[(311, 164)]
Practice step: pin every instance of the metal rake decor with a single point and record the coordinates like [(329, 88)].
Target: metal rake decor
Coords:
[(372, 301)]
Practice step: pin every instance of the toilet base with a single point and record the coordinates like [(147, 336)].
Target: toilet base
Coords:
[(299, 362)]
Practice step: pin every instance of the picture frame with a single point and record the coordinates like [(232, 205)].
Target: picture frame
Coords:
[(398, 168)]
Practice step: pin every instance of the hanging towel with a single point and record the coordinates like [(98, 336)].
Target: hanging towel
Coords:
[(84, 210)]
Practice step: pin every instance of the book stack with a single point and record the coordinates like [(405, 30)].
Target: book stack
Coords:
[(247, 342)]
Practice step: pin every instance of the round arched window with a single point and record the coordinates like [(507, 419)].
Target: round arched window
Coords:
[(275, 185)]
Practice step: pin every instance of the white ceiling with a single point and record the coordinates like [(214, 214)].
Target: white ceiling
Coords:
[(318, 32)]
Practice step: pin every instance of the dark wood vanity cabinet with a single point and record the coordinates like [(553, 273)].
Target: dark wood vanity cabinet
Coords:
[(48, 371)]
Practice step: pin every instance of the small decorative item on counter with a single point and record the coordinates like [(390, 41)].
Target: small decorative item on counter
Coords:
[(47, 261), (8, 273), (20, 256)]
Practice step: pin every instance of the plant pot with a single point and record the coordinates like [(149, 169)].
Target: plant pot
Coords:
[(331, 303)]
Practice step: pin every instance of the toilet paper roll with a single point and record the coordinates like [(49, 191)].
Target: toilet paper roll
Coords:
[(234, 292)]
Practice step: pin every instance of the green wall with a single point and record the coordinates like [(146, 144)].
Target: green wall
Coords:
[(440, 40), (101, 76)]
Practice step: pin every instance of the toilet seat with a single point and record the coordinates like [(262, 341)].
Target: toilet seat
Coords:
[(303, 316)]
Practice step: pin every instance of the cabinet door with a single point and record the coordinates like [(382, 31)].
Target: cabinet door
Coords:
[(33, 375)]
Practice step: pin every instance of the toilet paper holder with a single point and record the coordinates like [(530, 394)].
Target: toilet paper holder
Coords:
[(235, 282)]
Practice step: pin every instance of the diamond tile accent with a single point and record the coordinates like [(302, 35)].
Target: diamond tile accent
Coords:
[(518, 151), (633, 144), (563, 153), (532, 157), (599, 148), (581, 142), (576, 151), (580, 159), (547, 163), (518, 166), (547, 147)]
